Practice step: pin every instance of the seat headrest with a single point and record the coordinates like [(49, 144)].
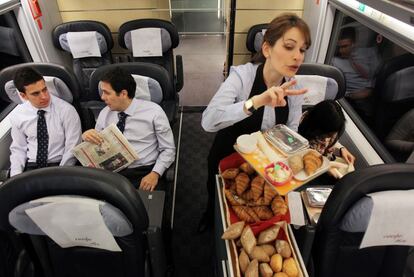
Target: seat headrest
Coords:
[(147, 89), (83, 26), (103, 48), (319, 88), (8, 44), (399, 86), (165, 40), (114, 219), (166, 28), (255, 36), (54, 85), (357, 217)]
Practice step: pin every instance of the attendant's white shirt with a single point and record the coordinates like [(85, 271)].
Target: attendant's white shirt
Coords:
[(63, 127), (226, 107), (149, 132)]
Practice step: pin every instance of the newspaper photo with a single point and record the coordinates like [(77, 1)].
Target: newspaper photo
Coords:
[(114, 153)]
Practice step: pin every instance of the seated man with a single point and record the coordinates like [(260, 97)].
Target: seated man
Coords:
[(44, 128), (143, 123)]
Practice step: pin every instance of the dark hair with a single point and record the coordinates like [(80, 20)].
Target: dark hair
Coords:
[(348, 33), (26, 76), (119, 79), (278, 27), (323, 119)]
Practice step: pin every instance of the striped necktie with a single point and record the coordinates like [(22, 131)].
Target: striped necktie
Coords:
[(42, 140), (121, 122)]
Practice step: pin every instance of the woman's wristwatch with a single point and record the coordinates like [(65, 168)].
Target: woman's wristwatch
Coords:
[(249, 106)]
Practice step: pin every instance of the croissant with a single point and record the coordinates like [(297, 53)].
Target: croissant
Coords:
[(231, 184), (246, 214), (230, 173), (258, 202), (263, 212), (269, 193), (257, 186), (247, 195), (279, 206), (233, 199), (247, 168), (312, 161), (242, 183)]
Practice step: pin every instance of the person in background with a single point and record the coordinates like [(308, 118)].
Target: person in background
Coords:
[(323, 125), (44, 128), (143, 123), (257, 95)]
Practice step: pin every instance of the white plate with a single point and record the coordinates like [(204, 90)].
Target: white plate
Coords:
[(302, 176)]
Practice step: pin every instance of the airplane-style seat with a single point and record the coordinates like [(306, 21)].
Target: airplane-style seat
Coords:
[(118, 205), (400, 140), (344, 220), (85, 61), (393, 93), (254, 38), (59, 81), (131, 31)]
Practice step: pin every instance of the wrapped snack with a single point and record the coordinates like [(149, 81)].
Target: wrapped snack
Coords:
[(247, 168), (242, 183), (276, 263), (253, 269), (234, 231), (265, 270), (257, 187), (259, 254), (295, 163), (283, 248), (289, 267), (244, 261), (263, 212), (230, 173), (268, 235), (248, 239)]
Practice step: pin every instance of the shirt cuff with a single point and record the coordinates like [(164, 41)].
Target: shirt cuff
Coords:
[(15, 171), (159, 169)]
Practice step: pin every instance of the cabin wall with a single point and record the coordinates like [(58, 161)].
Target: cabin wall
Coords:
[(113, 13), (249, 13)]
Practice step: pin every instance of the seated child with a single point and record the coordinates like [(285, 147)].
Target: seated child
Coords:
[(322, 125)]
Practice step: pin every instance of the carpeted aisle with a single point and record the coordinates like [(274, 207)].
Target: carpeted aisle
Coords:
[(192, 252)]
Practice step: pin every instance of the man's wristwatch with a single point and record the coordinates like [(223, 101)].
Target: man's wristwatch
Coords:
[(249, 105)]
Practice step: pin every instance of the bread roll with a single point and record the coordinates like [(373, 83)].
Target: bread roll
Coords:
[(243, 261), (269, 249), (289, 267), (265, 270), (283, 248), (253, 269), (248, 239), (276, 262), (259, 254), (280, 274), (268, 235), (234, 231), (296, 163)]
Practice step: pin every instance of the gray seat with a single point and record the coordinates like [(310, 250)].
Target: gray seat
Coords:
[(400, 140), (343, 221), (254, 38), (169, 41), (84, 67), (125, 216)]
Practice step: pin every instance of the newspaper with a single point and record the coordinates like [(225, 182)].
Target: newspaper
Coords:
[(114, 153)]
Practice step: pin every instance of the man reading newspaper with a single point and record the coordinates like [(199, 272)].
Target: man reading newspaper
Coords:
[(143, 123)]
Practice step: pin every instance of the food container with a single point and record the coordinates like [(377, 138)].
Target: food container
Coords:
[(317, 196), (285, 139), (247, 143), (278, 179)]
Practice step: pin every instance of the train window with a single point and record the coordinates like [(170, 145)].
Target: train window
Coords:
[(368, 61)]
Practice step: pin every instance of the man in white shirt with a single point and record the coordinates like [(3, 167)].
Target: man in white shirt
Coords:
[(143, 123), (44, 128)]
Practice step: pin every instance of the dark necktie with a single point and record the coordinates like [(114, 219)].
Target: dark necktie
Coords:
[(121, 122), (42, 140)]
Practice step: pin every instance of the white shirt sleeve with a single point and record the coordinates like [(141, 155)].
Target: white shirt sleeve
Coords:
[(166, 146), (18, 150), (72, 126), (226, 107)]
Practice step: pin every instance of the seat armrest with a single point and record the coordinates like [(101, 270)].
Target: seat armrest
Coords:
[(170, 109), (156, 249), (179, 82)]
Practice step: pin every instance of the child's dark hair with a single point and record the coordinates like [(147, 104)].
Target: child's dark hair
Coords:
[(119, 79), (323, 119), (24, 77)]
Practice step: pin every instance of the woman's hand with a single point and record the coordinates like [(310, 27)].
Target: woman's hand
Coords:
[(349, 158), (275, 96)]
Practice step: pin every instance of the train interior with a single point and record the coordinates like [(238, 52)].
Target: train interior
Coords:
[(206, 38)]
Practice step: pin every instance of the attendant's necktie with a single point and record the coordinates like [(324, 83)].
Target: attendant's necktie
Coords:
[(42, 140), (121, 122)]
